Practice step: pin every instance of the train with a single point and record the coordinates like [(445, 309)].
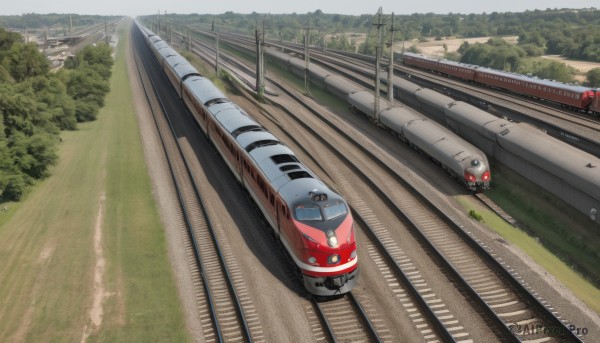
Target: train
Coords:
[(574, 97), (312, 221), (463, 161), (563, 170)]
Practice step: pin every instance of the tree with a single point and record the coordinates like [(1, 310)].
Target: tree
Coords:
[(593, 77), (24, 60)]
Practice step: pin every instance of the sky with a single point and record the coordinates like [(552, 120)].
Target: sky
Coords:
[(352, 7)]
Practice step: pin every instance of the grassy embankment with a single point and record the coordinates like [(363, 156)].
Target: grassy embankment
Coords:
[(47, 248), (554, 235)]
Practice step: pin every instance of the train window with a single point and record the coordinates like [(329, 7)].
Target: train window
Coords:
[(289, 167), (279, 159), (308, 213), (258, 144), (272, 199), (593, 214), (298, 175), (216, 101), (334, 211), (246, 128)]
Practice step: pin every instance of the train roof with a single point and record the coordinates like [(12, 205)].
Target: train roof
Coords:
[(203, 89), (234, 118), (249, 138), (458, 64), (160, 44), (168, 52), (433, 98), (396, 117), (154, 39), (406, 85), (445, 141), (568, 163), (342, 84), (180, 65), (529, 79), (412, 54), (469, 115)]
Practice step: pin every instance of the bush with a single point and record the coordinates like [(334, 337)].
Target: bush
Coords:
[(473, 214), (15, 187)]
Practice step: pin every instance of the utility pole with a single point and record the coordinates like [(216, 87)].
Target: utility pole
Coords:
[(70, 25), (189, 39), (306, 58), (167, 27), (391, 65), (106, 32), (217, 57), (159, 22), (379, 25), (260, 85)]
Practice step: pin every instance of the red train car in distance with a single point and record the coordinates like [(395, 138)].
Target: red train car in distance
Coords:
[(420, 61), (595, 106), (457, 69), (571, 95)]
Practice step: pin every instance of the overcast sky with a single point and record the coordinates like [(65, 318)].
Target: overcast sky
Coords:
[(354, 7)]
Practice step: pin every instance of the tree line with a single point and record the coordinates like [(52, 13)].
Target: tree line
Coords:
[(37, 103), (37, 21), (573, 33)]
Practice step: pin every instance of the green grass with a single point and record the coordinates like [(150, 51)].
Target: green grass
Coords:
[(566, 232), (46, 245)]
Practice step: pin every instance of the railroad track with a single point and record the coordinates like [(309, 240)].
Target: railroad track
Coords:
[(505, 299), (220, 304), (345, 320)]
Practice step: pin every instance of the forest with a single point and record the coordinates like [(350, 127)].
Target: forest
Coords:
[(572, 33), (36, 103)]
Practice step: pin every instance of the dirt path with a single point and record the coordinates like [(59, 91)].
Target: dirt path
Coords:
[(100, 294)]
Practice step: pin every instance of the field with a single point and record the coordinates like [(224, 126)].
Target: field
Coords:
[(84, 255)]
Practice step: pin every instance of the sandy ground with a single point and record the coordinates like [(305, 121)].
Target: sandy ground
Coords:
[(97, 310), (436, 48)]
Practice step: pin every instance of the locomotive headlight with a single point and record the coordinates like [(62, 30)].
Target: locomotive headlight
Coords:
[(312, 260), (333, 259), (331, 239), (353, 255)]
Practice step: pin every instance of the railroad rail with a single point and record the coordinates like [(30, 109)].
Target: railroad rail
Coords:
[(228, 322)]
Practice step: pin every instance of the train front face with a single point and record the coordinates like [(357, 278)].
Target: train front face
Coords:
[(477, 174), (326, 246)]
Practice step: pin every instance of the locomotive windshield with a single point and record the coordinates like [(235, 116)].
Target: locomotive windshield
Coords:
[(334, 211), (308, 213)]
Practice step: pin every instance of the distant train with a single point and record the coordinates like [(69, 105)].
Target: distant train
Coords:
[(456, 156), (570, 96), (569, 173), (312, 221)]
